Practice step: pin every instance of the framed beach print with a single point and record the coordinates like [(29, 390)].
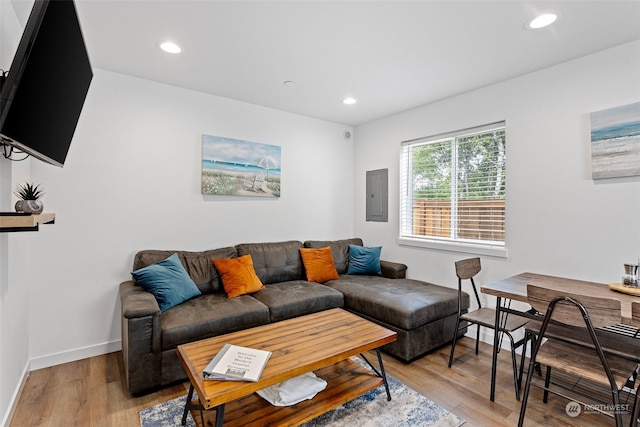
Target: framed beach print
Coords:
[(234, 167), (615, 142)]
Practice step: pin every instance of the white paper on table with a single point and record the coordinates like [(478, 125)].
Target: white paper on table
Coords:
[(293, 391)]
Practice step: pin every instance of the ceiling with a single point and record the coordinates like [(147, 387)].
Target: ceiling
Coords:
[(390, 55)]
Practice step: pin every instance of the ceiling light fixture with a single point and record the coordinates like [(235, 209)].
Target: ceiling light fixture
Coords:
[(542, 21), (170, 47), (349, 101)]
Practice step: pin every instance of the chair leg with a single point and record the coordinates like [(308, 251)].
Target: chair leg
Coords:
[(635, 413), (525, 395), (477, 337), (523, 356), (617, 413), (527, 337), (453, 341), (515, 366), (547, 381)]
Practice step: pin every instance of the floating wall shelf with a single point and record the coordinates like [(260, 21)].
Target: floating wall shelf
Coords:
[(17, 221)]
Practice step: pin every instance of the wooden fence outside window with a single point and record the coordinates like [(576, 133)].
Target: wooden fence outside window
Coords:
[(477, 219)]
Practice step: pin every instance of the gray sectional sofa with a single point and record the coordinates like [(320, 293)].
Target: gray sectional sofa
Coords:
[(422, 314)]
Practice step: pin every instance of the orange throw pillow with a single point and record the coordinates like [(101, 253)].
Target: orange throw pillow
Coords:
[(319, 265), (238, 275)]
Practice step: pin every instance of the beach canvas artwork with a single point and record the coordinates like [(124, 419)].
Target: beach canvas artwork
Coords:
[(234, 167), (615, 142)]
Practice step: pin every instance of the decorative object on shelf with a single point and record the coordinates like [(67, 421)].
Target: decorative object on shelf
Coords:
[(29, 195), (630, 277)]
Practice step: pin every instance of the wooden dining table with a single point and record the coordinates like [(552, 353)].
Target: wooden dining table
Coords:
[(515, 288)]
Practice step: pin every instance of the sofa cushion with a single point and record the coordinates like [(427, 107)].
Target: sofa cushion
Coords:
[(364, 260), (296, 298), (197, 264), (207, 269), (339, 250), (168, 281), (208, 316), (238, 275), (275, 262), (318, 264), (404, 303)]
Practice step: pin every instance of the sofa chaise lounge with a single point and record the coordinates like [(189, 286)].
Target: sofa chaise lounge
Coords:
[(422, 314)]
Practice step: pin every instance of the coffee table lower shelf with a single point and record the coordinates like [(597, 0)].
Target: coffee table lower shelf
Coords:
[(346, 380)]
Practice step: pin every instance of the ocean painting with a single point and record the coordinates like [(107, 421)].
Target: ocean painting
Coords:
[(233, 167), (615, 142)]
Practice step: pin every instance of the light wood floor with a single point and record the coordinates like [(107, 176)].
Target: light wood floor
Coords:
[(91, 392)]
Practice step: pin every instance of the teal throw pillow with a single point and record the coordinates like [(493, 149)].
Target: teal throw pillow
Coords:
[(168, 281), (363, 260)]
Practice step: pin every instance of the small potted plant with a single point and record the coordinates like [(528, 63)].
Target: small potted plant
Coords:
[(29, 195)]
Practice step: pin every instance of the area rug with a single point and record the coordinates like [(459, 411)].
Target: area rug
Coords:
[(407, 408)]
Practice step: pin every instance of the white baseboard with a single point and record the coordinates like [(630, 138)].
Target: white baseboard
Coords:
[(14, 397), (73, 355)]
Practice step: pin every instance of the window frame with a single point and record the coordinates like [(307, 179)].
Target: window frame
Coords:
[(406, 200)]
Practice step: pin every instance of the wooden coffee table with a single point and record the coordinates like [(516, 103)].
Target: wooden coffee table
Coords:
[(321, 342)]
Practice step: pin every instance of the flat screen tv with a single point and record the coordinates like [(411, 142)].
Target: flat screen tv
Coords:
[(45, 88)]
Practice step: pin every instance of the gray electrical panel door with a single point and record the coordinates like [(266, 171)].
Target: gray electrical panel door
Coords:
[(377, 205)]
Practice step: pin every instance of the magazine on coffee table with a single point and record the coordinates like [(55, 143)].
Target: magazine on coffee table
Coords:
[(235, 363)]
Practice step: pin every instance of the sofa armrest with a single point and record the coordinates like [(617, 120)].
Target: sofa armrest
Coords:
[(141, 338), (136, 302), (393, 270)]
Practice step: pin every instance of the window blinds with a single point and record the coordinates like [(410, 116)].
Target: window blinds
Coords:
[(453, 186)]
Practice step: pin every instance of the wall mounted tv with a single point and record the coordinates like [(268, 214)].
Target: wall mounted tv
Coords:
[(45, 88)]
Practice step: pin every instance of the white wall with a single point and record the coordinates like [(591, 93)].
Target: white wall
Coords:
[(14, 291), (132, 181), (559, 220)]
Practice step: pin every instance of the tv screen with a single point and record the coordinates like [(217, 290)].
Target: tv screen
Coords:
[(44, 91)]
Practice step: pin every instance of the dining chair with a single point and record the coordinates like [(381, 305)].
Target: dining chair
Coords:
[(567, 343), (635, 317), (467, 269), (635, 321)]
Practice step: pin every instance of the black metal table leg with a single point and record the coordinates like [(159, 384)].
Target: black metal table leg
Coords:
[(187, 405), (381, 374), (496, 345), (384, 375), (219, 415)]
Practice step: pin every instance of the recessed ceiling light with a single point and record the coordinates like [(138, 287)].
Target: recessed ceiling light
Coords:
[(170, 47), (349, 101), (542, 21)]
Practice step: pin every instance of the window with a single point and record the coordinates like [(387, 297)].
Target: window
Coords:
[(453, 190)]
